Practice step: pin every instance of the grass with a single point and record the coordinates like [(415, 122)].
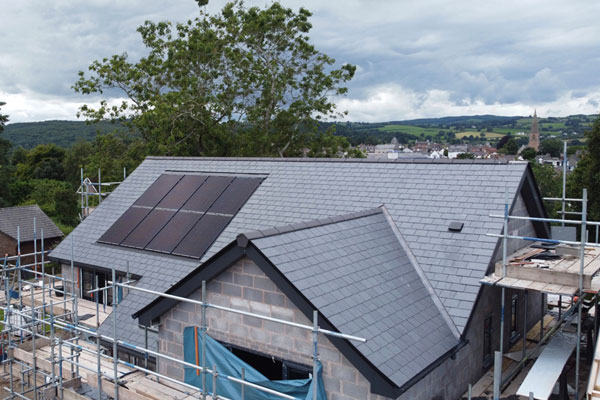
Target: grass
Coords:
[(488, 135), (412, 130), (66, 229)]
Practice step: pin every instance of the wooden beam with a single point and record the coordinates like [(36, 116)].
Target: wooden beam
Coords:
[(547, 276), (26, 357), (109, 389), (69, 394)]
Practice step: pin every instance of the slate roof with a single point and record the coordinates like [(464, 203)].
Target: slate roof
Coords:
[(358, 272), (22, 217), (422, 198)]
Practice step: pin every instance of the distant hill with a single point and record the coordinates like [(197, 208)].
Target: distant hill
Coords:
[(446, 129), (463, 128), (61, 133)]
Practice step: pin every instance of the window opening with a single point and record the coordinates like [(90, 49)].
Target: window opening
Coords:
[(273, 368), (514, 311), (487, 341)]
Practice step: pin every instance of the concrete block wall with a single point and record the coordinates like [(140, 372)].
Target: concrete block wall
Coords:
[(244, 286), (450, 380)]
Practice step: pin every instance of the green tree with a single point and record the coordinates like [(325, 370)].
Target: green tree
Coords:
[(19, 156), (554, 147), (111, 153), (587, 173), (246, 81), (55, 198), (510, 147), (6, 172), (43, 162), (528, 153), (76, 158), (5, 168), (465, 156), (3, 118), (549, 181), (503, 141)]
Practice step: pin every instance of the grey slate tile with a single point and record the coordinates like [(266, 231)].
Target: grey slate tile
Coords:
[(294, 192), (344, 292)]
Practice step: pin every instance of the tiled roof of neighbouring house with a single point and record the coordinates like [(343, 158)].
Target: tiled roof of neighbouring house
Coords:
[(22, 217)]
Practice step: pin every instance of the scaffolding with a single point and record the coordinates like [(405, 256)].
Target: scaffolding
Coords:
[(47, 352), (588, 266), (88, 189)]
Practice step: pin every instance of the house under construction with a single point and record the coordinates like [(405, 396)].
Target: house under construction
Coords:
[(301, 278)]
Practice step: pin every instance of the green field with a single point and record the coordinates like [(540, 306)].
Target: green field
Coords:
[(410, 129), (488, 135)]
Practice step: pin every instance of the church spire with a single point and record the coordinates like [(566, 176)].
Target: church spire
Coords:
[(534, 136)]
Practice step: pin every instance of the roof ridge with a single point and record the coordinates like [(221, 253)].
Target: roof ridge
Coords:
[(244, 238), (25, 206), (344, 160)]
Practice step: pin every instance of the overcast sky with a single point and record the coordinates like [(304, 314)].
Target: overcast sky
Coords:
[(421, 58)]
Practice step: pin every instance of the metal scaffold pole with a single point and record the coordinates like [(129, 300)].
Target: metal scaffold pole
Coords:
[(564, 181), (315, 337), (82, 200), (33, 329), (43, 276), (203, 328), (498, 354), (115, 347), (580, 292), (99, 187), (35, 259), (19, 277)]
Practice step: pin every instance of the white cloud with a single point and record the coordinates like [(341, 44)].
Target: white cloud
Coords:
[(28, 106), (502, 57), (392, 102)]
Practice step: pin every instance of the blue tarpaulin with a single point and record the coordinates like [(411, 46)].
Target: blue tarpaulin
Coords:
[(228, 364)]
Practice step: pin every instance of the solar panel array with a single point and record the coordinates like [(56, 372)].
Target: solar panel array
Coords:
[(181, 214)]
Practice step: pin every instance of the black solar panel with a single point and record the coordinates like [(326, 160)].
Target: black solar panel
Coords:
[(177, 214), (155, 193), (182, 191), (148, 228), (202, 236), (205, 196), (175, 230), (124, 225), (235, 196)]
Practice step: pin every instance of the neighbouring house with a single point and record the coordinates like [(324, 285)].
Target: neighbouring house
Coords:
[(16, 224), (427, 147), (390, 250)]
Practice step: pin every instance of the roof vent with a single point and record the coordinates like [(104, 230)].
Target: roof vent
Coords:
[(455, 226)]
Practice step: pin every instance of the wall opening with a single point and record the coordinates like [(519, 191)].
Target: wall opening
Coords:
[(514, 311), (271, 367), (487, 341)]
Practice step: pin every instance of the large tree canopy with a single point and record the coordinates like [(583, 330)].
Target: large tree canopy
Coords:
[(587, 173), (246, 81)]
